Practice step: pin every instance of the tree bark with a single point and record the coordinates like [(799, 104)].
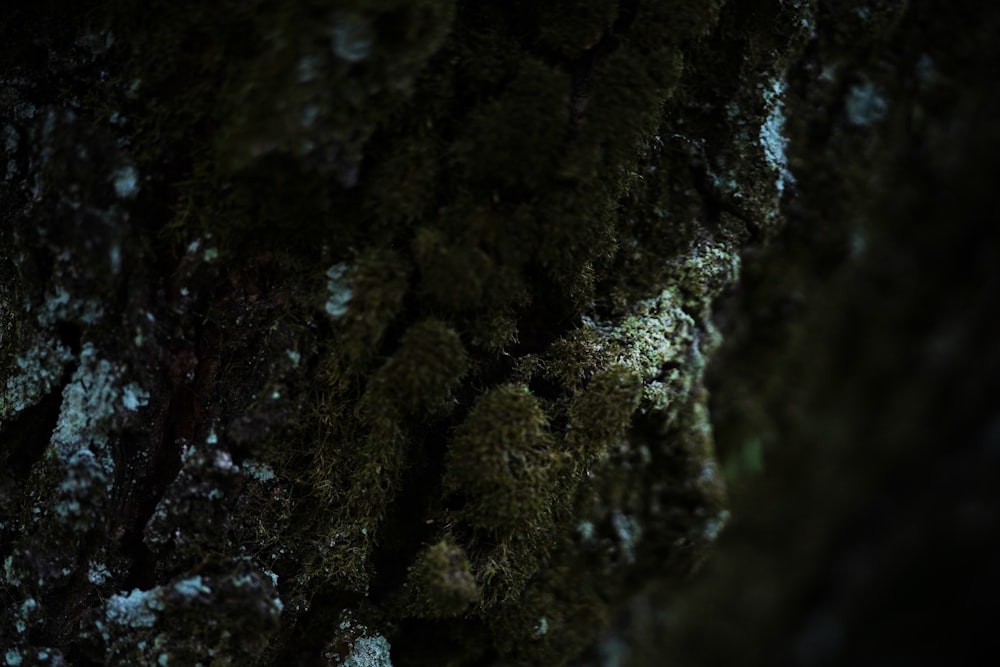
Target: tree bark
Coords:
[(380, 333)]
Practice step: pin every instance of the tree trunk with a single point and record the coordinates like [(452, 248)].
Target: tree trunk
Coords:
[(377, 333)]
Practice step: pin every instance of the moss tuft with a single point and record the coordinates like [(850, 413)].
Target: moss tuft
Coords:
[(499, 459), (419, 380), (440, 583), (600, 414)]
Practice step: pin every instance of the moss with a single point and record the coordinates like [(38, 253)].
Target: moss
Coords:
[(375, 285), (601, 413), (498, 459), (420, 378), (440, 583), (451, 274)]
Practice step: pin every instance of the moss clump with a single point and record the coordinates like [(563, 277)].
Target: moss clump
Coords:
[(499, 458), (600, 414), (440, 584), (364, 297), (421, 377)]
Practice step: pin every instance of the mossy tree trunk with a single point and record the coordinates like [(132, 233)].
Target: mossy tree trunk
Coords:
[(357, 332)]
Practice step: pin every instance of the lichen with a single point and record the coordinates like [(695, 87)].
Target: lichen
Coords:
[(865, 104), (369, 652), (772, 135), (36, 374), (90, 403)]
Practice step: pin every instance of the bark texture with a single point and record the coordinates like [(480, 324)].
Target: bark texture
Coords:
[(378, 333)]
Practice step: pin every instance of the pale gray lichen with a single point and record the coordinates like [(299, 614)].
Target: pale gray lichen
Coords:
[(138, 609), (258, 471), (61, 306), (351, 38), (98, 573), (656, 341), (713, 527), (369, 652), (703, 272), (865, 104), (772, 135), (192, 587), (628, 533), (27, 610), (37, 372), (88, 405), (134, 397), (126, 182), (339, 290), (91, 403)]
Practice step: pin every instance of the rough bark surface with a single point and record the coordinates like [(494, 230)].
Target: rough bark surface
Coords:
[(375, 333)]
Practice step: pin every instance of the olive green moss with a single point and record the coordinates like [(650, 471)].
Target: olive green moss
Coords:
[(501, 459), (330, 326), (440, 584)]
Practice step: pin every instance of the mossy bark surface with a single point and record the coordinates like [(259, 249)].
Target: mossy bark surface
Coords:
[(379, 333)]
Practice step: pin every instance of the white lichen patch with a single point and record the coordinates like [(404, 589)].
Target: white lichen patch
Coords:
[(772, 135), (658, 342), (134, 397), (97, 573), (90, 403), (34, 374), (192, 587), (351, 38), (59, 305), (628, 533), (713, 527), (338, 290), (258, 471), (83, 474), (26, 614), (369, 652), (126, 182), (223, 460), (865, 104), (138, 609), (705, 271)]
